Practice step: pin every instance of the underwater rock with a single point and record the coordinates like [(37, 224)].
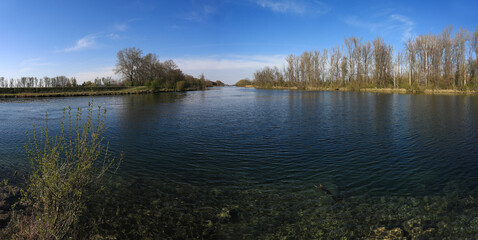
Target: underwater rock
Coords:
[(224, 216), (429, 229), (415, 202), (327, 192), (234, 213), (384, 233), (209, 223)]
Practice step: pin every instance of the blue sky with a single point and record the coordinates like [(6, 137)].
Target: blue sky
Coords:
[(225, 40)]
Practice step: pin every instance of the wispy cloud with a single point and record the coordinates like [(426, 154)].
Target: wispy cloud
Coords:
[(407, 25), (90, 41), (121, 27), (82, 43), (33, 64), (385, 24), (299, 7), (114, 36), (199, 15), (37, 62)]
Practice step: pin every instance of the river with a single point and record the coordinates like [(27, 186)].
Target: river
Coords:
[(240, 163)]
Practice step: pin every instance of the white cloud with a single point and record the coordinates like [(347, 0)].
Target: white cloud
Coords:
[(392, 23), (33, 64), (114, 36), (406, 27), (27, 69), (200, 14), (37, 62), (300, 7), (83, 43), (89, 41), (121, 27), (228, 69), (94, 73)]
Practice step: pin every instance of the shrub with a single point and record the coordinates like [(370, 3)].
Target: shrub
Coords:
[(243, 83), (180, 86), (155, 85), (354, 86), (66, 171)]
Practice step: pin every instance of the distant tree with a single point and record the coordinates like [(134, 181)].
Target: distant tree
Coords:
[(335, 68), (474, 48), (366, 56), (129, 64), (383, 61), (170, 65), (459, 48), (151, 68), (243, 82), (88, 84), (74, 82)]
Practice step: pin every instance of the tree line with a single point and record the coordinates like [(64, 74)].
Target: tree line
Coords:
[(148, 70), (33, 82), (55, 82), (438, 61), (135, 69)]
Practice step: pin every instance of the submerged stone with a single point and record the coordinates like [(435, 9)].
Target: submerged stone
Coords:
[(389, 233)]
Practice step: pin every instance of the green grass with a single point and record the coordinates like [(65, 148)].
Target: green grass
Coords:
[(80, 92)]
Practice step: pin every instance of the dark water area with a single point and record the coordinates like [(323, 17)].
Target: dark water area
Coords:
[(238, 163)]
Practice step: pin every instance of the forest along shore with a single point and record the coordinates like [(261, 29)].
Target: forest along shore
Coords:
[(445, 63)]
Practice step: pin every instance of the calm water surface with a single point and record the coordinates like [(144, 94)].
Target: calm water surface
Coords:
[(243, 163)]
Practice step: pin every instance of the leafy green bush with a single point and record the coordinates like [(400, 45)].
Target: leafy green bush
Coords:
[(155, 85), (180, 86), (66, 172), (354, 86), (243, 83)]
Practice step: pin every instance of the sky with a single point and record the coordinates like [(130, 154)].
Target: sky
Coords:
[(226, 40)]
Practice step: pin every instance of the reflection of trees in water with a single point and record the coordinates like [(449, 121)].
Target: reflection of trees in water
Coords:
[(136, 109), (142, 121)]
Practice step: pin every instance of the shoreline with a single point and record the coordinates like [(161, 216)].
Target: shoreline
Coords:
[(129, 91), (378, 90)]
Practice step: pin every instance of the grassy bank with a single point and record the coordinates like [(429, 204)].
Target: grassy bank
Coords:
[(65, 92), (379, 90)]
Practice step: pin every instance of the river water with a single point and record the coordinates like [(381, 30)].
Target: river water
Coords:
[(241, 163)]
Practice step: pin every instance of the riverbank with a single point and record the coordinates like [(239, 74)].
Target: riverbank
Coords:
[(379, 90), (87, 92)]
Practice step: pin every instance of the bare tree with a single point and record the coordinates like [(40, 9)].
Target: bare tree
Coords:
[(335, 69), (129, 64), (383, 61), (410, 46), (459, 49), (474, 48), (365, 59)]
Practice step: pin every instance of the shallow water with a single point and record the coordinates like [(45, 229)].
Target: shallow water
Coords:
[(243, 163)]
